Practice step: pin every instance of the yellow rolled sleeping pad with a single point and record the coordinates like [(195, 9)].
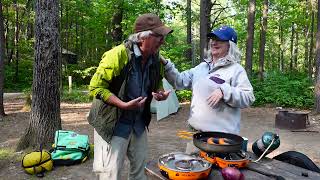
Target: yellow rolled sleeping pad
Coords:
[(37, 162)]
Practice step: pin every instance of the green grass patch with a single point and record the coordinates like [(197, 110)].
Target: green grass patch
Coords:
[(76, 96), (10, 154)]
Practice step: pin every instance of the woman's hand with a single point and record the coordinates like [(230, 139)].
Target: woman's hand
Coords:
[(161, 95), (163, 60), (215, 97)]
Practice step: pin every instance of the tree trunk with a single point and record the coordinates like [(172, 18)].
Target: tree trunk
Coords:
[(250, 36), (45, 109), (281, 63), (16, 43), (61, 45), (205, 11), (77, 33), (30, 30), (279, 48), (317, 85), (67, 27), (295, 52), (29, 24), (306, 36), (2, 57), (82, 37), (189, 50), (306, 48), (310, 64), (7, 34), (9, 51), (116, 32), (263, 38), (291, 45)]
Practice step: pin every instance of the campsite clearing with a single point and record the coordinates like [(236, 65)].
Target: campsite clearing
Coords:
[(162, 136)]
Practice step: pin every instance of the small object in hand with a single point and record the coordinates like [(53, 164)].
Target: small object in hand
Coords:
[(231, 173)]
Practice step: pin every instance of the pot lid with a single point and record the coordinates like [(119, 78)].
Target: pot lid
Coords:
[(182, 162)]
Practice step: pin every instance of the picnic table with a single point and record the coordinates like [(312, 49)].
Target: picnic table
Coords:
[(265, 169)]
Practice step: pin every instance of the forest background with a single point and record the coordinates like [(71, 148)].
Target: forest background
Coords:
[(278, 50)]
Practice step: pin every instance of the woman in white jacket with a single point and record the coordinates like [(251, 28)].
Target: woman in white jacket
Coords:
[(220, 85)]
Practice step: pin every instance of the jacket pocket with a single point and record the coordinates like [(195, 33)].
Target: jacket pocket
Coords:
[(103, 118)]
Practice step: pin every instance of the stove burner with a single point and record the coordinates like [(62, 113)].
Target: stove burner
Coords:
[(228, 156), (222, 160), (183, 165)]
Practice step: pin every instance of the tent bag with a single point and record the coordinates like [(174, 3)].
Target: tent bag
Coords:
[(70, 148), (37, 162), (298, 159)]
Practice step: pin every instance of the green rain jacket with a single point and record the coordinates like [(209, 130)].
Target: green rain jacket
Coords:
[(111, 78)]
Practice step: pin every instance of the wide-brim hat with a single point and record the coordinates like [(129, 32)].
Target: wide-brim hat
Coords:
[(151, 22)]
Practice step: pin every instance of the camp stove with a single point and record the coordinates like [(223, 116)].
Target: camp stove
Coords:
[(238, 159), (181, 166)]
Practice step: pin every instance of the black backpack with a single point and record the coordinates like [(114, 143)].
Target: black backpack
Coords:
[(297, 159)]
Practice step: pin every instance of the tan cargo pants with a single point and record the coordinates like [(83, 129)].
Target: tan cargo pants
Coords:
[(109, 158)]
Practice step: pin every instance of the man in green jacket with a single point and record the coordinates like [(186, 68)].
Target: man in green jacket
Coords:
[(127, 79)]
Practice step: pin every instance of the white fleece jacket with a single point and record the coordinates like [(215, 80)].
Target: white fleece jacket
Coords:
[(236, 88)]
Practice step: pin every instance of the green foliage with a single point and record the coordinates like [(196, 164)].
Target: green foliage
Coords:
[(77, 95), (80, 74), (24, 80), (286, 90), (86, 29), (184, 95)]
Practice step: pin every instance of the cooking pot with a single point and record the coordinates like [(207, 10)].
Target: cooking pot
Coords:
[(233, 142), (182, 166)]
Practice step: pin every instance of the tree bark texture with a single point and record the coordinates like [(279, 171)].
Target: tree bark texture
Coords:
[(291, 45), (310, 64), (16, 42), (205, 11), (306, 36), (250, 36), (306, 48), (45, 109), (281, 48), (189, 33), (295, 52), (67, 26), (263, 38), (2, 57), (317, 85), (116, 30)]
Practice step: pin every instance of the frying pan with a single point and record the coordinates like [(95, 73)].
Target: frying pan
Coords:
[(200, 141)]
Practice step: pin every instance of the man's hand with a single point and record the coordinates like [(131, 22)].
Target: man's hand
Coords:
[(161, 95), (214, 97), (135, 103)]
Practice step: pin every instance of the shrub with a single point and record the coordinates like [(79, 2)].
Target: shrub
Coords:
[(284, 89), (24, 80)]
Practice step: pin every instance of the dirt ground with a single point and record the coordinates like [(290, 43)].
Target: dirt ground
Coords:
[(162, 137)]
